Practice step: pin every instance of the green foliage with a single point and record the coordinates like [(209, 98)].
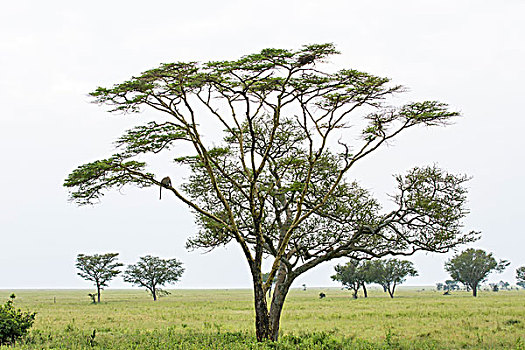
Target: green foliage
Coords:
[(98, 268), (390, 273), (473, 266), (14, 323), (520, 276), (152, 272), (93, 178), (151, 137), (353, 274), (451, 285), (277, 184)]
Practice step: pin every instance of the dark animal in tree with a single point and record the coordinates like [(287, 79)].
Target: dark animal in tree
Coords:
[(305, 59), (165, 182)]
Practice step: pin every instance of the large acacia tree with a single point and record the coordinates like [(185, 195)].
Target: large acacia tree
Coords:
[(472, 266), (278, 184)]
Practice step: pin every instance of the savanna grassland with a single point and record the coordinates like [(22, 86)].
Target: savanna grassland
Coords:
[(223, 319)]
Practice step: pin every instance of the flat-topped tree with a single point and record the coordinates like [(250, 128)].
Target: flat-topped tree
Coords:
[(152, 273), (277, 185), (98, 268)]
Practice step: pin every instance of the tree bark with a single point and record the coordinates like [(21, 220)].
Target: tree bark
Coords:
[(262, 321), (364, 290), (391, 291), (474, 290), (154, 294), (282, 286), (279, 295), (98, 293)]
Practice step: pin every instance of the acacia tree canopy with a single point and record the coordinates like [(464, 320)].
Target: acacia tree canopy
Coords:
[(391, 272), (472, 266), (278, 183), (152, 273), (353, 275), (98, 268)]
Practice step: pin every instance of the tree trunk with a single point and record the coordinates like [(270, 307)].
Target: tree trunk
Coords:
[(355, 293), (98, 293), (474, 290), (154, 294), (364, 290), (279, 295), (391, 291), (282, 286), (262, 321)]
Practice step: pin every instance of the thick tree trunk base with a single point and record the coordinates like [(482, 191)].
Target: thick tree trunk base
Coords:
[(279, 295), (262, 320)]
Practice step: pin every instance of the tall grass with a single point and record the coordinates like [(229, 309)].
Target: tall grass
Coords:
[(223, 319)]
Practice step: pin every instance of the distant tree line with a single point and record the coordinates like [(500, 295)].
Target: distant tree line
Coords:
[(388, 273), (149, 272), (470, 267)]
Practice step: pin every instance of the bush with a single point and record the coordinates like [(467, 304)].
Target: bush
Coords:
[(14, 323)]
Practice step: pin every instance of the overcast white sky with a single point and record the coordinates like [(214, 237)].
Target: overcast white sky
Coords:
[(469, 54)]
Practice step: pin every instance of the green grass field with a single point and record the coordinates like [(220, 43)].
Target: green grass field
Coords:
[(223, 319)]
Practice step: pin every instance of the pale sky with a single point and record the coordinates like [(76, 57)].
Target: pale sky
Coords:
[(469, 54)]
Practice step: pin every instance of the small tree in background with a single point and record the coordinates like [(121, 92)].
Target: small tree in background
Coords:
[(520, 276), (494, 287), (265, 278), (152, 272), (14, 323), (504, 285), (439, 286), (390, 273), (472, 267), (98, 268), (353, 275), (366, 270), (451, 285)]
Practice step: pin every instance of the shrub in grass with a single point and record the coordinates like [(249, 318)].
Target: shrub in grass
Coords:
[(14, 323)]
